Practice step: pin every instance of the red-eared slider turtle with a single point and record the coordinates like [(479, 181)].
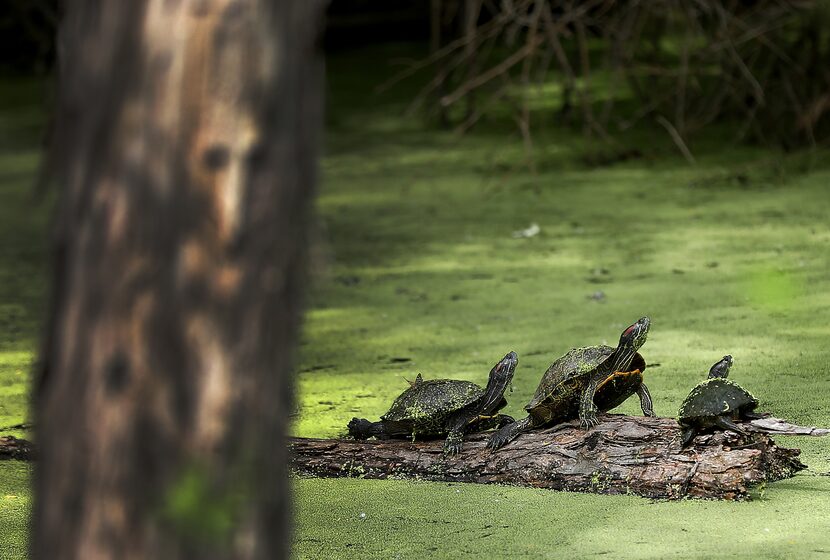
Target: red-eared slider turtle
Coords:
[(716, 402), (443, 406), (586, 380)]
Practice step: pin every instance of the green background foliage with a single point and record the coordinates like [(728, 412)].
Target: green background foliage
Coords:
[(414, 260)]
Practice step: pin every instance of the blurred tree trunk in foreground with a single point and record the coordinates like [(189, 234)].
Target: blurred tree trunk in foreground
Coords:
[(185, 147)]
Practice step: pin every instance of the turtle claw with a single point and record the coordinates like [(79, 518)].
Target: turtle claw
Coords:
[(589, 421), (451, 449), (502, 437), (496, 442), (452, 445)]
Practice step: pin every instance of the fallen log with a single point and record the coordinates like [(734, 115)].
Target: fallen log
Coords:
[(622, 455), (770, 425), (16, 448)]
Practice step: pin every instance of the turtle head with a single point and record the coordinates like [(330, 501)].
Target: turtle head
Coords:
[(721, 369), (503, 371), (635, 335), (630, 341), (500, 377)]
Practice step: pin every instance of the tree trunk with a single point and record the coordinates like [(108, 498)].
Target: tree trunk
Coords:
[(623, 455), (185, 148)]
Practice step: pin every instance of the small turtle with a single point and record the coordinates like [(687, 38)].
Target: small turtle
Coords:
[(716, 402), (584, 381), (443, 406)]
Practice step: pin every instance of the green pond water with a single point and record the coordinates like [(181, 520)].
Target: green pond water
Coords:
[(415, 269)]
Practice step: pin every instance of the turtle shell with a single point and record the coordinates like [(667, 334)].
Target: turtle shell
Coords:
[(715, 397), (432, 400), (562, 384)]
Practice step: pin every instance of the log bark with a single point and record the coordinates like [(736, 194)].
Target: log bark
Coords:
[(623, 455), (185, 150)]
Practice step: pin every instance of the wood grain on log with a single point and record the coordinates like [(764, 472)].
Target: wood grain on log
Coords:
[(623, 455), (770, 425)]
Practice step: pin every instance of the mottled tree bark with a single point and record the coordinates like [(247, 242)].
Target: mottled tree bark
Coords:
[(185, 147), (623, 455)]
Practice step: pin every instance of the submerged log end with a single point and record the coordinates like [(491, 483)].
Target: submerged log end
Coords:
[(623, 455), (16, 448)]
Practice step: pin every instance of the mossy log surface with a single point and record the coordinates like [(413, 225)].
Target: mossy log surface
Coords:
[(622, 455)]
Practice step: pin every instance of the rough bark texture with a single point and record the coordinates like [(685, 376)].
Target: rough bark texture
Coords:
[(185, 146), (623, 455)]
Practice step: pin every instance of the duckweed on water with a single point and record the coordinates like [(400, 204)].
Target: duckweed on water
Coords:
[(419, 225)]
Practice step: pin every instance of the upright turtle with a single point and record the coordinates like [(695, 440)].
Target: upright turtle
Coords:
[(716, 402), (443, 406), (586, 380)]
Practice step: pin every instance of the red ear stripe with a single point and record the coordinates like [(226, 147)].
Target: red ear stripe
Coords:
[(629, 330)]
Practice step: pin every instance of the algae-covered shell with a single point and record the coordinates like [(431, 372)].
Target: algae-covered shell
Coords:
[(425, 400), (570, 373), (715, 397), (576, 364)]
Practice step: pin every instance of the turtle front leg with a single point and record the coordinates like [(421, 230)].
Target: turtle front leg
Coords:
[(508, 433), (453, 443), (456, 426), (727, 424), (687, 435), (464, 423), (587, 408), (645, 400)]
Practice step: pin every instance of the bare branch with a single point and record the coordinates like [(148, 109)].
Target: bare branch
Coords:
[(678, 140)]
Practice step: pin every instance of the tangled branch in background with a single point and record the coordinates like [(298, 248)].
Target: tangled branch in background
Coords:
[(759, 66)]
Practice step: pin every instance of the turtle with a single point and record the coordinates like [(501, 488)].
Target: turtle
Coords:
[(716, 402), (584, 381), (438, 407)]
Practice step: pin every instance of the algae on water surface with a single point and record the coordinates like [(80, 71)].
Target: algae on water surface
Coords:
[(416, 270)]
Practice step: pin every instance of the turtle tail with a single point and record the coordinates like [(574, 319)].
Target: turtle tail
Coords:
[(360, 428)]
